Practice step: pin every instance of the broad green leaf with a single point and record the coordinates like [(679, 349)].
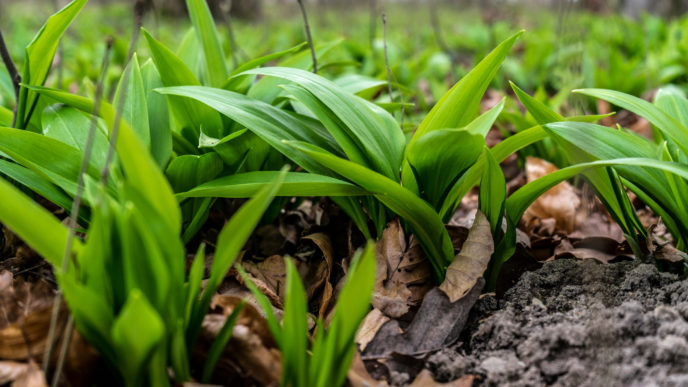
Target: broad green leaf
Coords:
[(294, 343), (34, 224), (189, 114), (134, 105), (484, 122), (71, 127), (158, 115), (268, 122), (36, 183), (672, 128), (331, 359), (215, 66), (370, 127), (493, 194), (188, 171), (245, 185), (539, 111), (422, 219), (39, 56), (439, 158), (458, 105), (50, 158), (137, 332)]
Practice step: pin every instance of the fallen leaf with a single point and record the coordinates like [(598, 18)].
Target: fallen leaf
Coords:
[(319, 277), (399, 266), (269, 276), (371, 324), (437, 324), (358, 376), (470, 264), (560, 202)]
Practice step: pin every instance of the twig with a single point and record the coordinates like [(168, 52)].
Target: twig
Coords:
[(76, 205), (389, 71), (308, 35), (14, 75)]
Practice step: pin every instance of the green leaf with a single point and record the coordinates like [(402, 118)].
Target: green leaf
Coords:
[(50, 158), (371, 128), (39, 57), (539, 111), (135, 107), (34, 224), (268, 122), (214, 66), (294, 343), (71, 127), (136, 333), (36, 183), (158, 114), (484, 122), (245, 185), (189, 114), (439, 158), (458, 105), (493, 194), (669, 126), (331, 359)]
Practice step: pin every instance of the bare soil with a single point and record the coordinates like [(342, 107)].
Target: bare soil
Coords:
[(576, 323)]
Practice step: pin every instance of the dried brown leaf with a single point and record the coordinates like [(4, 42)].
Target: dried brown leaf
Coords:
[(371, 324), (21, 374), (399, 268), (560, 203), (470, 264), (424, 379), (270, 276)]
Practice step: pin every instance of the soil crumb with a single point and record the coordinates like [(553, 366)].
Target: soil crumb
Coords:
[(577, 323)]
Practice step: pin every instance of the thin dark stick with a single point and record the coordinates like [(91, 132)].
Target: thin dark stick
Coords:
[(389, 71), (308, 35), (76, 205), (14, 75), (138, 22)]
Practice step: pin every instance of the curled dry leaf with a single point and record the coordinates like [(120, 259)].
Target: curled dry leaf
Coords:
[(402, 272), (318, 276), (560, 203), (470, 264), (358, 376)]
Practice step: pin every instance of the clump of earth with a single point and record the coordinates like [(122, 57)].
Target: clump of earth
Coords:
[(576, 323)]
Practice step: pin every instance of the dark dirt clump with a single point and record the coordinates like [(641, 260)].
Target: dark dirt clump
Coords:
[(577, 323)]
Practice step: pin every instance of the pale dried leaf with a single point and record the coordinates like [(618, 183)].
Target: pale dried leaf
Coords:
[(270, 277), (560, 202), (371, 324), (424, 379), (358, 376), (470, 264), (33, 377)]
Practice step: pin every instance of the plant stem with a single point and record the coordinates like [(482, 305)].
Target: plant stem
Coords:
[(14, 75), (308, 35)]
